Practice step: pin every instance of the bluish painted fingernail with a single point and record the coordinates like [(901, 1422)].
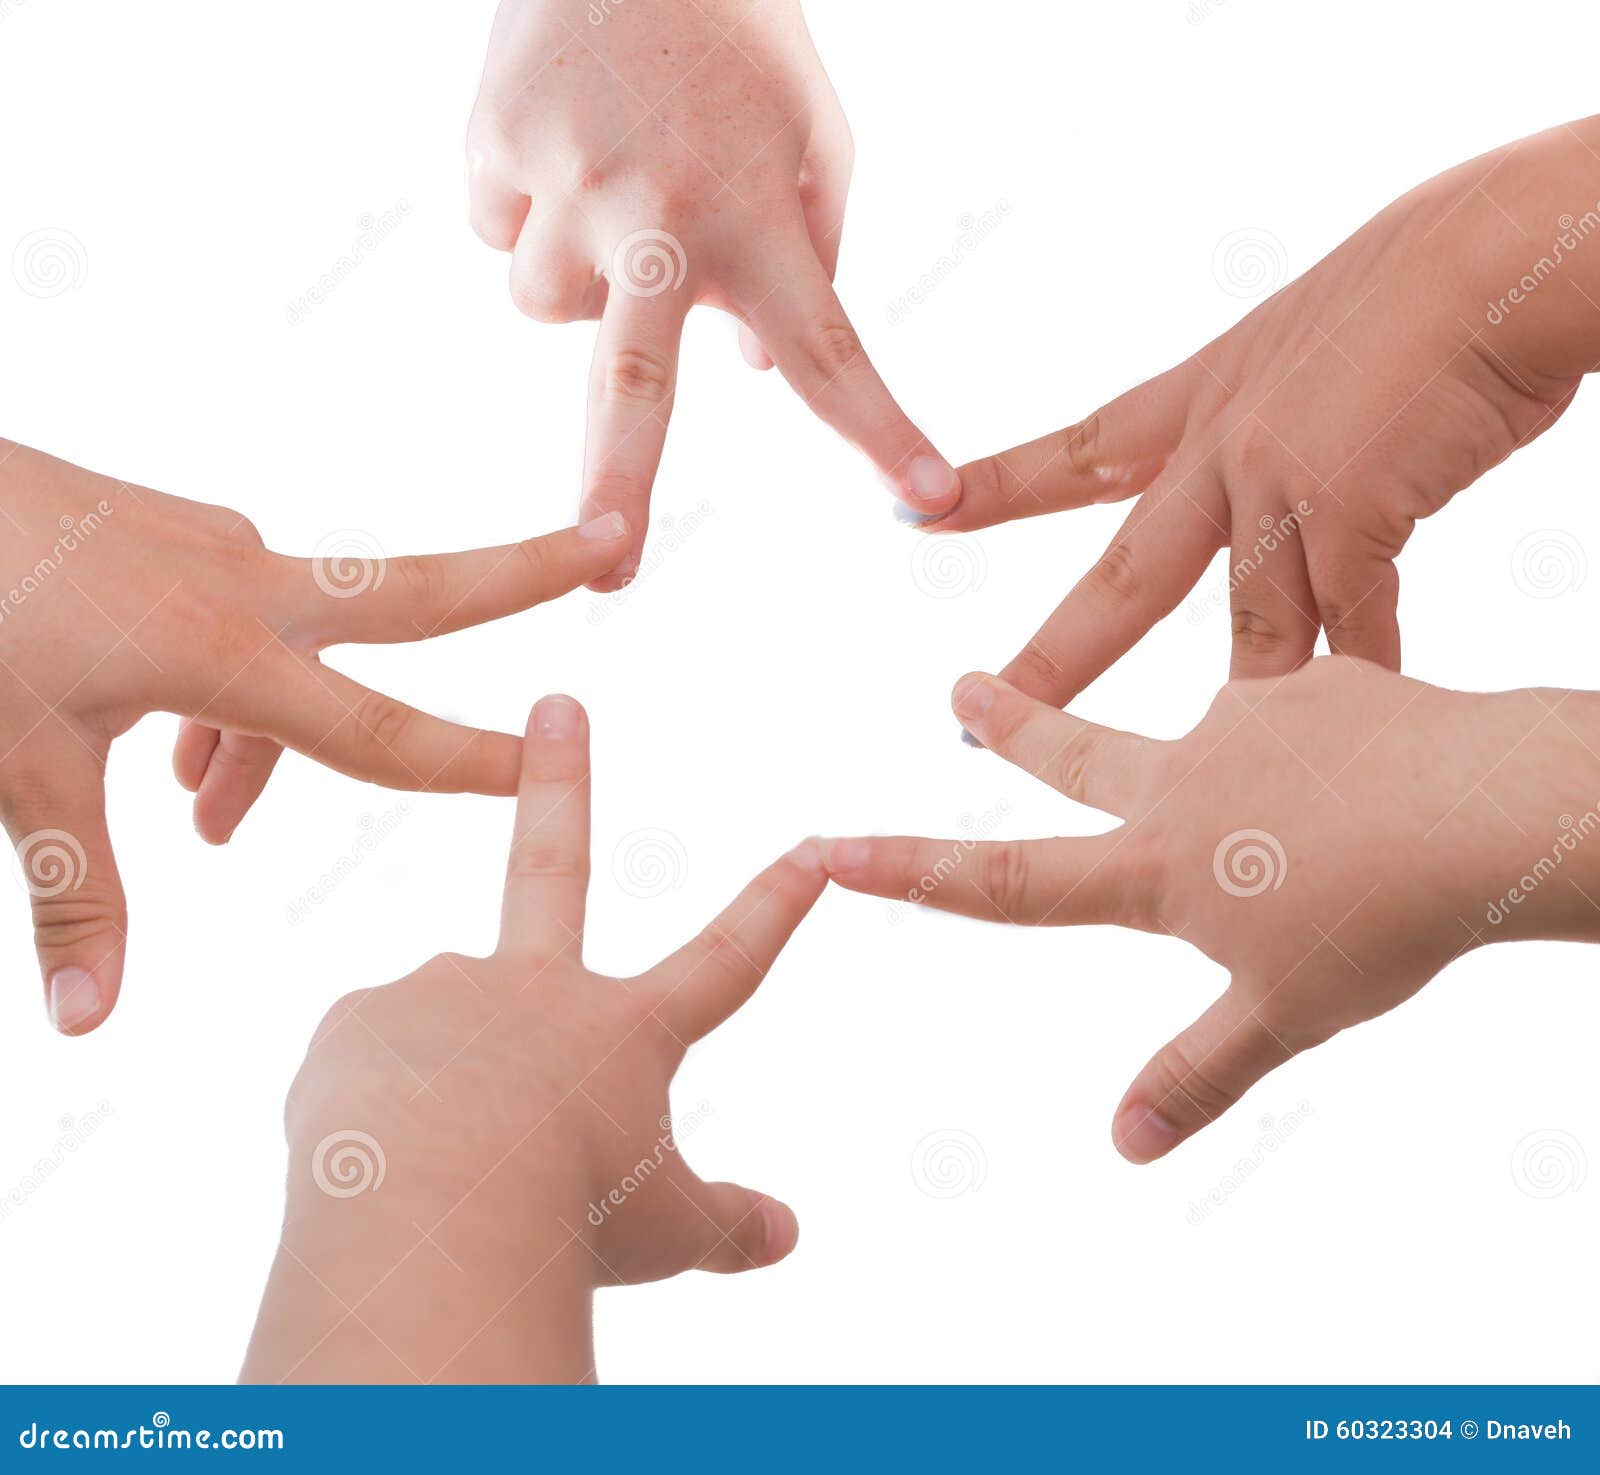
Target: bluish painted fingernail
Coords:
[(969, 740), (912, 518)]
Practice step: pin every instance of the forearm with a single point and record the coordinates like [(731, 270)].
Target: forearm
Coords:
[(1531, 255)]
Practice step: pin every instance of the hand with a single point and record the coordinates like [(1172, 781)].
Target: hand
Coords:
[(517, 1105), (676, 153), (1332, 838), (117, 601), (1311, 437)]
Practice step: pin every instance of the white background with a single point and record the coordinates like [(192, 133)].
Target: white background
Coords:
[(784, 671)]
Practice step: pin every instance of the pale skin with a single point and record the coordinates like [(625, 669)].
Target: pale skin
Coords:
[(1332, 839), (520, 1105), (1310, 438), (117, 601), (677, 153)]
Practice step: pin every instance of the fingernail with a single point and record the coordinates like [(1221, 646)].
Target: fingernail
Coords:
[(74, 997), (912, 518), (973, 697), (808, 856), (931, 479), (1142, 1134), (844, 856), (556, 717), (604, 529)]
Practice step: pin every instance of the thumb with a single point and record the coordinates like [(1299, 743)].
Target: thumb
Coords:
[(743, 1229), (1194, 1078), (56, 818)]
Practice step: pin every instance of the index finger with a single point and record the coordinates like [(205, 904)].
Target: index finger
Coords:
[(631, 386), (1160, 551), (547, 874), (804, 328), (1099, 766), (706, 980), (351, 591), (1029, 882)]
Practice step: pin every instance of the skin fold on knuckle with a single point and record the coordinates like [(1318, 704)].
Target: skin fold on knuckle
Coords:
[(638, 376), (1183, 1088), (1004, 875), (833, 349)]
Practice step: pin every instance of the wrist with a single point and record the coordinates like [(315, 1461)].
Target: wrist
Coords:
[(1541, 879)]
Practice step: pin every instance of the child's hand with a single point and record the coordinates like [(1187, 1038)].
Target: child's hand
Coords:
[(116, 601), (675, 152), (1333, 838), (518, 1107), (1311, 437)]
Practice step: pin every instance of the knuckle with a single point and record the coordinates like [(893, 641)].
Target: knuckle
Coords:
[(1074, 763), (535, 557), (638, 376), (1115, 575), (424, 581), (1083, 445), (721, 953), (832, 348), (987, 482), (542, 860), (1257, 634), (90, 913), (1181, 1078), (544, 296), (1035, 669), (383, 719), (1004, 872)]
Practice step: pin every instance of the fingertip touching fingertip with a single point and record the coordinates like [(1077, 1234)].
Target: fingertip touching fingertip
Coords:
[(606, 528), (843, 857), (972, 696), (807, 857)]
